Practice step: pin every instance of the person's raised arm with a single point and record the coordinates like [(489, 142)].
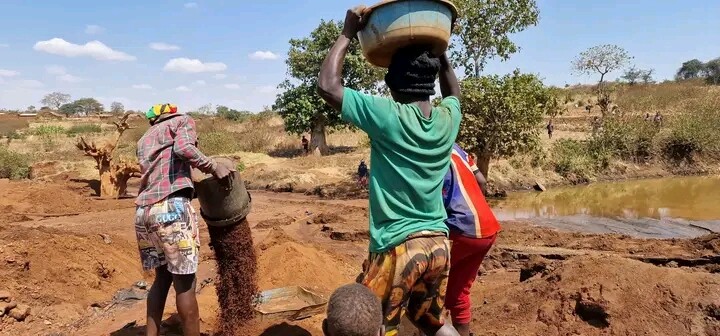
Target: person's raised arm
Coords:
[(449, 85), (330, 86)]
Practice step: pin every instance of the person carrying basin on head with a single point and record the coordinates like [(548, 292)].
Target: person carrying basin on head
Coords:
[(166, 225), (411, 142)]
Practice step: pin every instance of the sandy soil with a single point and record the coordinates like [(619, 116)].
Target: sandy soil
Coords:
[(66, 253)]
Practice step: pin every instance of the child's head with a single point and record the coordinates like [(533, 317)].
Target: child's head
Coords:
[(412, 72), (353, 310)]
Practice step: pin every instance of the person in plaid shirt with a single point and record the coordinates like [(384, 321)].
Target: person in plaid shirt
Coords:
[(166, 225)]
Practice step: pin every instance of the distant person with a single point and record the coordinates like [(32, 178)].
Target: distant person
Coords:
[(411, 142), (166, 225), (362, 173), (658, 119), (473, 230), (550, 128), (305, 144), (353, 310)]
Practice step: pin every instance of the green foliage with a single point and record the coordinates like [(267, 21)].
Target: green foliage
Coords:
[(501, 114), (602, 59), (83, 106), (299, 104), (218, 142), (117, 108), (231, 114), (13, 165), (55, 99), (572, 160), (48, 130), (690, 70), (84, 129), (712, 72), (632, 75), (694, 133), (483, 30)]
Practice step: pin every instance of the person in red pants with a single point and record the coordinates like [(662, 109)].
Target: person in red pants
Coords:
[(473, 229)]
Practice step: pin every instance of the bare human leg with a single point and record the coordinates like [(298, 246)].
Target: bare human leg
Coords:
[(156, 300), (187, 304)]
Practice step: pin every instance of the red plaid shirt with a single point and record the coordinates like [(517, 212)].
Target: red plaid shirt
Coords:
[(166, 154)]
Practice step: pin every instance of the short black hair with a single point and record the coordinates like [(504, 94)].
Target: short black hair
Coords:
[(353, 310), (413, 70)]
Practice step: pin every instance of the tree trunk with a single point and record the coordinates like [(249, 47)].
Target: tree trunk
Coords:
[(114, 178), (483, 162), (318, 142)]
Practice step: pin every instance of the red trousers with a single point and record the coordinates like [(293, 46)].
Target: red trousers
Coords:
[(466, 256)]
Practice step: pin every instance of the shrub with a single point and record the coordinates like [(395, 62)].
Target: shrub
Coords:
[(572, 160), (84, 129), (48, 130), (694, 133), (217, 142), (13, 165)]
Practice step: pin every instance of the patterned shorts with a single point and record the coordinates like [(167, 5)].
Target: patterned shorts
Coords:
[(412, 276), (167, 234)]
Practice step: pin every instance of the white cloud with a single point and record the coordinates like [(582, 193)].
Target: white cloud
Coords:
[(191, 5), (94, 49), (232, 86), (55, 70), (142, 87), (200, 82), (263, 56), (31, 84), (187, 65), (220, 76), (266, 89), (182, 88), (94, 29), (161, 46), (62, 74), (69, 78), (8, 73), (4, 45)]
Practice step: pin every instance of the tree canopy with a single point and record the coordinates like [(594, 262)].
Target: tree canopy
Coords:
[(83, 106), (55, 99), (483, 29), (601, 60), (117, 108), (299, 105), (690, 70), (502, 114)]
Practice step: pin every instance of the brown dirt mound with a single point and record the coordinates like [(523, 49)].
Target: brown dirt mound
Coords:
[(32, 198), (50, 268), (288, 263), (605, 296)]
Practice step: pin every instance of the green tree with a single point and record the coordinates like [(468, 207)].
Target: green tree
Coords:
[(504, 115), (299, 105), (117, 108), (55, 100), (87, 106), (712, 72), (690, 70), (230, 114), (646, 76), (602, 60), (483, 30), (632, 75)]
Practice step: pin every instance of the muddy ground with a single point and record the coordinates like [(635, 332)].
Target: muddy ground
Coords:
[(66, 254)]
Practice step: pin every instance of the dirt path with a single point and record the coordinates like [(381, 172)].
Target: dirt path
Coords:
[(68, 268)]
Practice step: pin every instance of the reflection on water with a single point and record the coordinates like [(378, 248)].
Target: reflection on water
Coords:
[(682, 206)]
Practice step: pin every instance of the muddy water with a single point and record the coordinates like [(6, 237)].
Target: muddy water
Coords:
[(658, 208)]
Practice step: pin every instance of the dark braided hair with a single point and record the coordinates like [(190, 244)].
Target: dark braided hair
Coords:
[(353, 310), (413, 70)]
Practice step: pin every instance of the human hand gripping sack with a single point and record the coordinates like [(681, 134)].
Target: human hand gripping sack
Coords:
[(225, 176)]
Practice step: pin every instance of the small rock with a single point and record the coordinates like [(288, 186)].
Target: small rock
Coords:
[(6, 307), (5, 296), (141, 284), (539, 187), (672, 264), (46, 322), (106, 238), (10, 259), (20, 312)]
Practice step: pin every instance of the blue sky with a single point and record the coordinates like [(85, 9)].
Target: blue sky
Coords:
[(232, 52)]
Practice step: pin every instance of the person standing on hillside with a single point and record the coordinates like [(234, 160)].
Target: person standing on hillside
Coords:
[(473, 230), (165, 222), (305, 145), (362, 173), (550, 128), (411, 142)]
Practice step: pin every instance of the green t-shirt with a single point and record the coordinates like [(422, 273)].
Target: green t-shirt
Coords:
[(410, 155)]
